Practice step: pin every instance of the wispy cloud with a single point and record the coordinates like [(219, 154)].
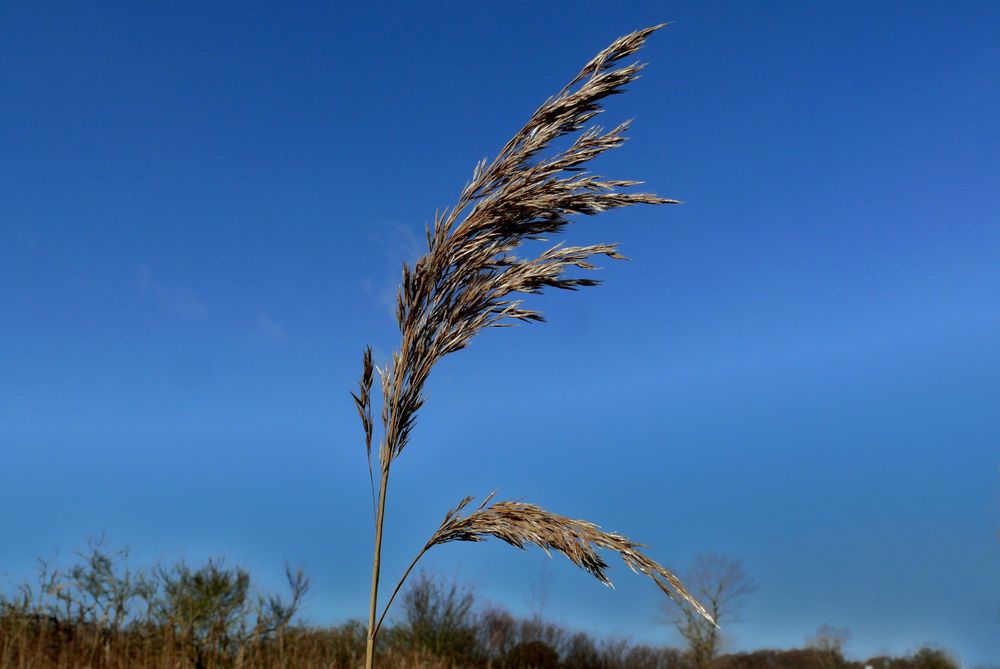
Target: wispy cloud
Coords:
[(403, 243), (176, 299), (400, 243), (269, 331)]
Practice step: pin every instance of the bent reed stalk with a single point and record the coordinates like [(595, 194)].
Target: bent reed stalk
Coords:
[(467, 281)]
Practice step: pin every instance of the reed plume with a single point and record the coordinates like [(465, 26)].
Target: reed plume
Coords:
[(471, 279)]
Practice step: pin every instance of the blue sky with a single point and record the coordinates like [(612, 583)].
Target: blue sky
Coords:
[(205, 211)]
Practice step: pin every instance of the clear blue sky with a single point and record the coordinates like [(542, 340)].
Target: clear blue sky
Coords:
[(205, 207)]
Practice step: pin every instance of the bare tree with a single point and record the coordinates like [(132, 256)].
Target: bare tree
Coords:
[(722, 585), (830, 642)]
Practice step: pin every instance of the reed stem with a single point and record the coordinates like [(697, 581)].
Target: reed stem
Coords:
[(376, 566)]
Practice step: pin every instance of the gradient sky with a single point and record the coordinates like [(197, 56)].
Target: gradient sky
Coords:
[(205, 208)]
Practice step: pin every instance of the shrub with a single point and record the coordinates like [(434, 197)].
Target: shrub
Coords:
[(532, 655), (438, 618)]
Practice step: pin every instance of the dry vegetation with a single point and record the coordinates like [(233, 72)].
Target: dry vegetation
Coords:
[(103, 614)]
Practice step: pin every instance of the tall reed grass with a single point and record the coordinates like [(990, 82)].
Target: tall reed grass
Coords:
[(470, 279)]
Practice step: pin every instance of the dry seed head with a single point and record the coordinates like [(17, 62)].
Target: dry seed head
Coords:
[(470, 274), (521, 524)]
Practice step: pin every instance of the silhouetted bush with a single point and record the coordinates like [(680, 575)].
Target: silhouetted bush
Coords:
[(581, 651), (532, 655), (439, 619), (925, 658), (498, 632), (648, 657), (799, 658)]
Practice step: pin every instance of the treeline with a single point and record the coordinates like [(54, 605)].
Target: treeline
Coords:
[(102, 614)]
